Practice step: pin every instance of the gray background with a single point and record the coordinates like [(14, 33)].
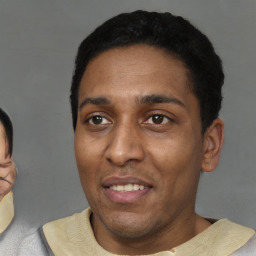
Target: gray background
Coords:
[(38, 43)]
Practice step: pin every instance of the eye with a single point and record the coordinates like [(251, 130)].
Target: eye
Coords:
[(5, 165), (98, 120), (158, 119)]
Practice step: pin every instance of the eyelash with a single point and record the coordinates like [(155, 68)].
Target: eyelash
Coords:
[(89, 120), (4, 165), (163, 119)]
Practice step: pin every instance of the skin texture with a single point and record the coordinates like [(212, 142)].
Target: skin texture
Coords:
[(7, 167), (139, 123)]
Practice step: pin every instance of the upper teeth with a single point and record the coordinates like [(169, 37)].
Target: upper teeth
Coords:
[(127, 188)]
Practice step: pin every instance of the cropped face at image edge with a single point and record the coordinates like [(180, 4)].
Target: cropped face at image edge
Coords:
[(7, 167), (138, 142)]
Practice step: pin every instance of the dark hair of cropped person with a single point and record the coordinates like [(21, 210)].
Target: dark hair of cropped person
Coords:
[(166, 31), (8, 129)]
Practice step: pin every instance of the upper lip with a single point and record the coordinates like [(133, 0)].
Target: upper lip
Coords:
[(124, 180)]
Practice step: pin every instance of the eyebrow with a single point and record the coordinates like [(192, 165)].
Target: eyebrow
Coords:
[(94, 101), (147, 99), (158, 98)]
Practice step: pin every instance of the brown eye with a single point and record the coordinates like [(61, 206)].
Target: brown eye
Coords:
[(98, 120), (158, 119)]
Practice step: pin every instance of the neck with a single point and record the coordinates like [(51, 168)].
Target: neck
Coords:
[(161, 240)]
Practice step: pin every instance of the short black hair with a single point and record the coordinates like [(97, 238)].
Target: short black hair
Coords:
[(163, 30), (8, 129)]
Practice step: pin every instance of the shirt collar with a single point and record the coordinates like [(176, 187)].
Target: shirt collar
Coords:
[(74, 236), (6, 211)]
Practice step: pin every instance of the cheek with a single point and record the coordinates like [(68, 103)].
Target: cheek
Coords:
[(178, 159), (4, 188), (86, 150), (178, 174), (173, 153), (88, 157)]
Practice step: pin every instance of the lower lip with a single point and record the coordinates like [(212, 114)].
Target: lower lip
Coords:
[(126, 197)]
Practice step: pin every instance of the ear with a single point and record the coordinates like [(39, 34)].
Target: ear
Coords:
[(213, 141)]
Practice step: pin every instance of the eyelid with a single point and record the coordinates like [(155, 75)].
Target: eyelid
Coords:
[(90, 119), (159, 113), (164, 117), (94, 114), (5, 165)]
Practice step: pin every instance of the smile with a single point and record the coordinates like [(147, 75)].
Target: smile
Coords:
[(127, 188)]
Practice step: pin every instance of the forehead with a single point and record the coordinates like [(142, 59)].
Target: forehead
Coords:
[(134, 67)]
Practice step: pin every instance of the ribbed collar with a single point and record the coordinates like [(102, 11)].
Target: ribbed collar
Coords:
[(73, 236)]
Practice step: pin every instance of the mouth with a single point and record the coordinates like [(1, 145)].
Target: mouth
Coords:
[(126, 190)]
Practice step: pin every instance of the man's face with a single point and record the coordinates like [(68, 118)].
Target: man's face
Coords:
[(7, 167), (138, 141)]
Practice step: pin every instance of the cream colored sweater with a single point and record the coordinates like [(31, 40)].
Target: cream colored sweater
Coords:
[(73, 236), (6, 211)]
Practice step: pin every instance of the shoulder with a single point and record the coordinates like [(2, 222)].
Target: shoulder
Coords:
[(66, 235), (248, 249), (31, 245), (234, 237), (6, 211), (56, 236), (64, 228)]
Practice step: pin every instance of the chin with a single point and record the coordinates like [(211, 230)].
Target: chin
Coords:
[(129, 227)]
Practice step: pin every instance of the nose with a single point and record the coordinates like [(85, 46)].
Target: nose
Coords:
[(124, 145)]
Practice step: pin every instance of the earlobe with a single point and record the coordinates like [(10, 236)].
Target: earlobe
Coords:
[(213, 141)]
